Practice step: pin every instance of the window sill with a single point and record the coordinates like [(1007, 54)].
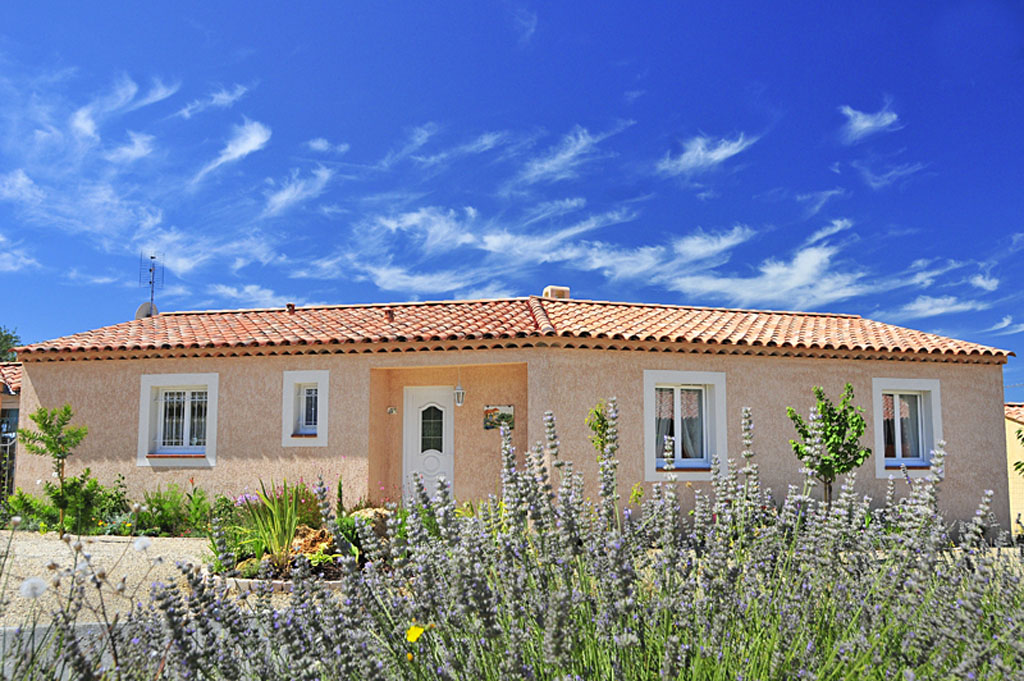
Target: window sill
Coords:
[(910, 465), (686, 469), (310, 435), (175, 456)]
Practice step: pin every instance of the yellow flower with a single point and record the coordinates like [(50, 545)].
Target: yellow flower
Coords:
[(408, 656), (413, 634)]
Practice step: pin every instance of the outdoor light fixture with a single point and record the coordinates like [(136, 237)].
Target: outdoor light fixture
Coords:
[(460, 392)]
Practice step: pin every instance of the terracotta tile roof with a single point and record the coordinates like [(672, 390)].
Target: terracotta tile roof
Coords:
[(508, 318), (1014, 411), (10, 377)]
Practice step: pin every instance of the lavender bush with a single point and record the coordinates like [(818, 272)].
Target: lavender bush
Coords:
[(542, 583)]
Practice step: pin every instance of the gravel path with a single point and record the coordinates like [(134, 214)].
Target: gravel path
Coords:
[(30, 553)]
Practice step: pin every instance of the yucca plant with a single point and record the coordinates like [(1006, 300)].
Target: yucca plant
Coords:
[(273, 520)]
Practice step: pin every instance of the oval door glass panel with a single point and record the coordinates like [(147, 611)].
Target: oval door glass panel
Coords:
[(431, 439)]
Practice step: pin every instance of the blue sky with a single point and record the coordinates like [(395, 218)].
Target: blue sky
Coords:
[(772, 155)]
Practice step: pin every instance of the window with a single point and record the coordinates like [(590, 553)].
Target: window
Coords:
[(431, 429), (908, 423), (304, 409), (182, 424), (178, 420), (684, 424)]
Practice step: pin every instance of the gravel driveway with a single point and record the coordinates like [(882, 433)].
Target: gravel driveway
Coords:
[(30, 553)]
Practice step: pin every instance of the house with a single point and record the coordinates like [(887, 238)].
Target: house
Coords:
[(375, 393), (10, 398), (1014, 412)]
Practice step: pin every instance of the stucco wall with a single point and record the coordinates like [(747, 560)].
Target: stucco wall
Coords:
[(365, 442), (1014, 453), (573, 380)]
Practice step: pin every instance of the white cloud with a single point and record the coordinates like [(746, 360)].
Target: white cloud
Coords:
[(632, 95), (930, 306), (14, 259), (701, 153), (418, 137), (614, 262), (832, 228), (487, 291), (548, 246), (701, 245), (297, 190), (860, 125), (18, 186), (525, 23), (816, 200), (807, 281), (249, 137), (141, 145), (485, 142), (94, 279), (893, 174), (83, 120), (563, 160), (158, 92), (985, 282), (1001, 324), (221, 99), (552, 209), (321, 145), (434, 229), (396, 278), (252, 295)]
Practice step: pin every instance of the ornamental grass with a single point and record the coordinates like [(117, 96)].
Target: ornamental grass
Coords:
[(543, 583)]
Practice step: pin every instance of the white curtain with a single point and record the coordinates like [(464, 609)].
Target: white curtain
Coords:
[(691, 436), (664, 424), (910, 432)]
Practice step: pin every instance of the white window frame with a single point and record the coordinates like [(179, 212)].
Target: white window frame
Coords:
[(151, 390), (293, 432), (715, 444), (930, 416)]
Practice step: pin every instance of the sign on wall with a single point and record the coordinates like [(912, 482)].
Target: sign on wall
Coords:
[(498, 415)]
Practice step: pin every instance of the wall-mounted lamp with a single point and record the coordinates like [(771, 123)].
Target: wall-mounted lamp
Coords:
[(460, 392)]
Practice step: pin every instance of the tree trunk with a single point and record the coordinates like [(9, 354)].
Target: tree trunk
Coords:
[(828, 497)]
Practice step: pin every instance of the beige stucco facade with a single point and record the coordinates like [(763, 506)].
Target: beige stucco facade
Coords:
[(1015, 453), (365, 422)]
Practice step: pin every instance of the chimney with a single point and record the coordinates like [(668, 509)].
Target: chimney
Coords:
[(389, 314), (291, 308), (557, 292)]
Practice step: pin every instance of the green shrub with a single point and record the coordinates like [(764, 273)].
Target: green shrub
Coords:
[(273, 519), (34, 511), (165, 512)]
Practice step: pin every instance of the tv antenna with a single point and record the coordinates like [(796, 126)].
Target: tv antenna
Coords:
[(151, 274)]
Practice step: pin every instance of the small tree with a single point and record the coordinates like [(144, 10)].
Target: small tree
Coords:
[(839, 450), (55, 439), (8, 339), (597, 421)]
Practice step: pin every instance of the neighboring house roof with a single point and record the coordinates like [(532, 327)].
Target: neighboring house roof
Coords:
[(534, 317), (10, 378), (1014, 411)]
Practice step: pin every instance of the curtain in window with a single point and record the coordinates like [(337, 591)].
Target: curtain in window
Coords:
[(889, 425), (173, 419), (664, 423), (197, 419), (910, 427), (691, 437)]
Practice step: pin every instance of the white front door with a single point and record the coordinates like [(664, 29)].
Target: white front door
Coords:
[(427, 437)]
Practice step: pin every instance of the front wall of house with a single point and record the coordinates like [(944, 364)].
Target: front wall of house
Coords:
[(364, 440), (571, 381)]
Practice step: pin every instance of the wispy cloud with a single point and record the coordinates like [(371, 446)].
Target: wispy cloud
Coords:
[(18, 186), (815, 201), (525, 23), (807, 281), (321, 145), (219, 99), (984, 282), (632, 95), (860, 125), (139, 146), (158, 92), (14, 258), (93, 279), (831, 229), (252, 295), (889, 176), (1001, 324), (83, 121), (548, 246), (933, 306), (702, 245), (548, 210), (418, 137), (485, 142), (392, 277), (702, 153), (296, 190), (249, 137), (433, 229), (564, 160)]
